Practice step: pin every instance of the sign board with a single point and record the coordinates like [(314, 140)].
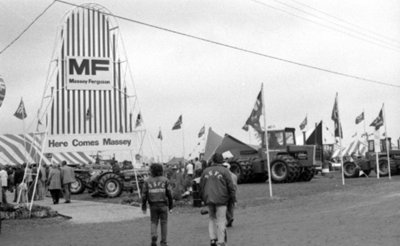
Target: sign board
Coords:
[(88, 73), (85, 143)]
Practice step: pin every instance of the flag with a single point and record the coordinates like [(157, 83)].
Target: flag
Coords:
[(202, 131), (2, 90), (378, 122), (354, 135), (21, 112), (178, 123), (365, 134), (360, 118), (316, 136), (335, 118), (303, 124), (254, 118), (138, 120), (160, 135), (88, 115)]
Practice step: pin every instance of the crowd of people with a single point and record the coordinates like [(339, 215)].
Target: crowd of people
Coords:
[(33, 181), (217, 185)]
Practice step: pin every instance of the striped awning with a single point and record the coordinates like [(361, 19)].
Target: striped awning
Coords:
[(21, 148)]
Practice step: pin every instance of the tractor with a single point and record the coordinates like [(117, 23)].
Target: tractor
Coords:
[(353, 166), (107, 181), (288, 162)]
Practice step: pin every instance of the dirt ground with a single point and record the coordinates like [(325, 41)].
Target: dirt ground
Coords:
[(365, 211)]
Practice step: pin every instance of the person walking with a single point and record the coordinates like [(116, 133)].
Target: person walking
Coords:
[(67, 177), (157, 192), (18, 178), (54, 183), (231, 204), (41, 182), (217, 191), (3, 183)]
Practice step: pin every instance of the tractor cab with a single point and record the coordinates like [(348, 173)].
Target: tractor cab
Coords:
[(279, 139)]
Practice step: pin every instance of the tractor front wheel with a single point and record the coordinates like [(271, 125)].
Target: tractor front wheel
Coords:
[(350, 170)]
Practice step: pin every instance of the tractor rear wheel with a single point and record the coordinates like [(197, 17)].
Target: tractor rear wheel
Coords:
[(307, 174), (350, 170), (78, 186), (284, 169), (383, 168), (110, 185)]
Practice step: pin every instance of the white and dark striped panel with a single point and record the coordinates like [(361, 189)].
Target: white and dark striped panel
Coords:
[(88, 32)]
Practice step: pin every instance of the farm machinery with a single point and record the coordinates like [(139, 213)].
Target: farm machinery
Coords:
[(107, 179), (288, 162), (352, 167)]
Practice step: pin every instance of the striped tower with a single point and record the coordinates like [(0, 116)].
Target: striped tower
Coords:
[(89, 107)]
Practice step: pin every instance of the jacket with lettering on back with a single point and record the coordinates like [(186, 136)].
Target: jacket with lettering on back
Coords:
[(156, 190), (216, 186)]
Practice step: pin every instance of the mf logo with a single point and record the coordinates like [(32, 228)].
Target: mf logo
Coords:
[(87, 66)]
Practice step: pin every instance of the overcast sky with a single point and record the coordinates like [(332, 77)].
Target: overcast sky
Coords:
[(216, 86)]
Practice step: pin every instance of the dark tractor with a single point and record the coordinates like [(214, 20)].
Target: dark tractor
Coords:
[(107, 180), (352, 167), (288, 162)]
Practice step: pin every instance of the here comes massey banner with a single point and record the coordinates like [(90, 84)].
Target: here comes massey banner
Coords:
[(88, 73), (74, 143)]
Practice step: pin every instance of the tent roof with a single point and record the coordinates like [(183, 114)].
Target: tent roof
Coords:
[(20, 148)]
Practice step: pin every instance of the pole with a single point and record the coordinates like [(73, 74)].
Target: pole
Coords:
[(365, 130), (386, 140), (266, 141), (183, 142), (376, 147), (162, 159), (340, 138), (136, 179)]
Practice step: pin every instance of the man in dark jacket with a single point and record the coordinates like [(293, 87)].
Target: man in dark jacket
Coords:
[(157, 192), (217, 191)]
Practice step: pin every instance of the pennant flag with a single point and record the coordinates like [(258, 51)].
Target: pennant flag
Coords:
[(316, 136), (355, 134), (160, 135), (178, 123), (254, 118), (88, 115), (365, 134), (202, 131), (360, 118), (303, 124), (335, 118), (21, 112), (378, 122), (138, 120), (2, 90)]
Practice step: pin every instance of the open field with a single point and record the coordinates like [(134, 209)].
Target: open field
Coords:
[(365, 211)]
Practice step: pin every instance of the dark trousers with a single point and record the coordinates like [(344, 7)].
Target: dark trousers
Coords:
[(67, 191), (229, 212), (159, 213), (55, 194)]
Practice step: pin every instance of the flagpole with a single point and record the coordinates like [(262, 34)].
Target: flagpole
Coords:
[(183, 142), (340, 138), (386, 140), (266, 141), (365, 130), (162, 159)]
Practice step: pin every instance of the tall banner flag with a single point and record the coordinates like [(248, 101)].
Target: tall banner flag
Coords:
[(202, 131), (178, 123), (303, 124), (378, 122), (254, 118), (335, 118), (338, 130), (360, 118), (160, 135), (21, 112), (2, 91), (138, 120)]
